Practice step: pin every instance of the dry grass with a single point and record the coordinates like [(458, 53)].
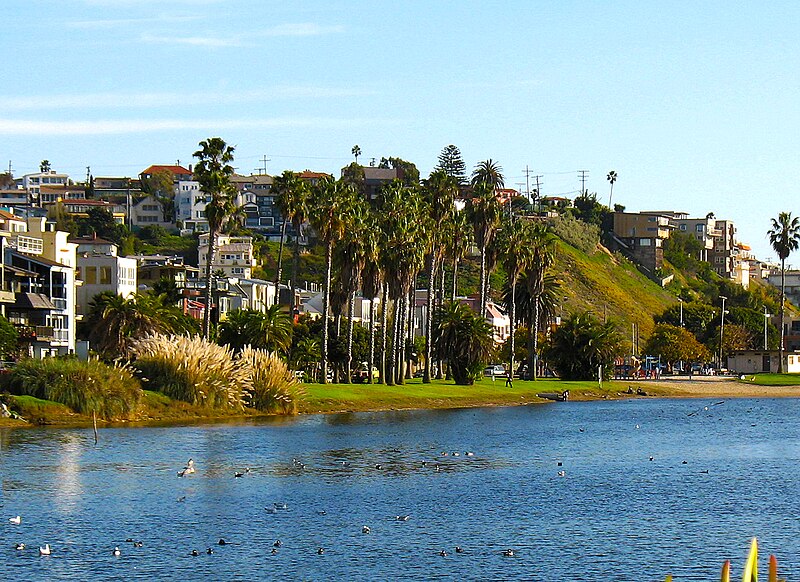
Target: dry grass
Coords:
[(274, 386)]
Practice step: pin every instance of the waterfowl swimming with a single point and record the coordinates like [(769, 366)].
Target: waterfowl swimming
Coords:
[(379, 466), (19, 547), (365, 529), (238, 475), (321, 551), (651, 457), (116, 551), (15, 520), (181, 499), (195, 553), (562, 473), (188, 469), (45, 551), (209, 551), (470, 454), (508, 553), (443, 554), (459, 550), (322, 512), (129, 540), (402, 518), (277, 544), (280, 506), (270, 510), (274, 551), (222, 542), (138, 544), (560, 463)]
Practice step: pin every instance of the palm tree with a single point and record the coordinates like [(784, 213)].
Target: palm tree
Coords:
[(372, 285), (356, 151), (351, 255), (485, 216), (406, 225), (464, 339), (489, 173), (213, 170), (459, 239), (611, 177), (328, 217), (517, 257), (440, 191), (292, 194), (784, 236), (269, 330), (542, 249), (583, 344)]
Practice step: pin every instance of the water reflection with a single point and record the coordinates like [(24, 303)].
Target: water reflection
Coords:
[(68, 470)]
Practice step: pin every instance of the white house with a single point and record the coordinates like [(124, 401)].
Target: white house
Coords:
[(756, 361), (149, 212), (101, 270), (190, 206), (233, 255)]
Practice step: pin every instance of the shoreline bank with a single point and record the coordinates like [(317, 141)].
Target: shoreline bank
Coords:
[(350, 398)]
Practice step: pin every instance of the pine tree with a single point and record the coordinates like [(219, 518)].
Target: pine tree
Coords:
[(452, 164)]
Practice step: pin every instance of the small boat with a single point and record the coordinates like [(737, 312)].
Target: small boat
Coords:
[(557, 396)]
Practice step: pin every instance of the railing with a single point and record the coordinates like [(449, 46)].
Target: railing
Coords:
[(35, 332)]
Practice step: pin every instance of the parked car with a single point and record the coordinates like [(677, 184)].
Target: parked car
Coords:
[(495, 370), (361, 374)]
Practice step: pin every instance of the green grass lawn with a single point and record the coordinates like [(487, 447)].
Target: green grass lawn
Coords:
[(773, 379), (438, 394)]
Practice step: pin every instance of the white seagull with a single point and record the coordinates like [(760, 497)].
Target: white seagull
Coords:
[(15, 520), (45, 551)]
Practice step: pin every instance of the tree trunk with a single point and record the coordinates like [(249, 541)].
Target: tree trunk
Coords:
[(280, 263), (212, 240), (401, 341), (395, 334), (455, 279), (535, 338), (296, 257), (371, 362), (783, 301), (531, 333), (482, 284), (350, 308), (411, 308), (513, 322), (426, 378), (384, 330), (439, 303), (326, 305)]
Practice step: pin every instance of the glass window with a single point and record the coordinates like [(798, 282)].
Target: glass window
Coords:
[(91, 275), (105, 275)]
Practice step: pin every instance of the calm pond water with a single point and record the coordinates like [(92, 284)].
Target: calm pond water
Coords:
[(614, 515)]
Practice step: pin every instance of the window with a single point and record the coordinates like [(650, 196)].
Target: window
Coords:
[(105, 275), (683, 227), (238, 271), (700, 227), (91, 275), (644, 242)]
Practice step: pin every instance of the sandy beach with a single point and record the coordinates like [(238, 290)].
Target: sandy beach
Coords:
[(702, 387)]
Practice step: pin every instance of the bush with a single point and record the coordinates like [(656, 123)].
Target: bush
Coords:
[(109, 391), (579, 234), (192, 370), (274, 386)]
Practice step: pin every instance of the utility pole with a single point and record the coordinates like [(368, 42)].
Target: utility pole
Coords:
[(527, 183), (721, 328), (538, 190), (9, 168), (583, 179), (264, 159), (88, 174), (766, 319)]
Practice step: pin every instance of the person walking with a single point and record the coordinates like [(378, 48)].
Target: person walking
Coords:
[(509, 378)]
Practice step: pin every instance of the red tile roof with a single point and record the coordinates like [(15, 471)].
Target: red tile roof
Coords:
[(174, 169)]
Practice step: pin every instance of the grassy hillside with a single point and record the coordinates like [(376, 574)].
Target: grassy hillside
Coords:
[(609, 284)]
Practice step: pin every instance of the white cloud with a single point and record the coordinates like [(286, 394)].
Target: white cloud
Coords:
[(123, 100), (205, 41), (131, 126)]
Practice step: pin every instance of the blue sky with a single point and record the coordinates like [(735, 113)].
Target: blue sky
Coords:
[(694, 104)]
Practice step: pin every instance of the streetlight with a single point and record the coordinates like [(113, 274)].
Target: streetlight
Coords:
[(681, 301), (721, 328)]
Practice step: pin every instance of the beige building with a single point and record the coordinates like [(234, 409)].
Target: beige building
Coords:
[(642, 236), (233, 256)]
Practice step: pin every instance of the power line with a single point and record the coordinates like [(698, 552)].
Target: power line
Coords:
[(583, 179)]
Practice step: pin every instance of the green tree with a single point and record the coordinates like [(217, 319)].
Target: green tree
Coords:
[(542, 257), (784, 236), (328, 215), (408, 173), (161, 186), (439, 191), (484, 214), (683, 250), (44, 166), (292, 201), (101, 222), (269, 330), (583, 344), (214, 170), (9, 340), (698, 318), (517, 257), (464, 339), (356, 151), (675, 344), (167, 290), (452, 164), (612, 178)]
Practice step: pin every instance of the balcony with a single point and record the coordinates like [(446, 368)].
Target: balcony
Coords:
[(32, 333)]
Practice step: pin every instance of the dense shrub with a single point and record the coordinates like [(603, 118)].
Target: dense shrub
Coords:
[(109, 391), (274, 386), (579, 234), (192, 370)]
